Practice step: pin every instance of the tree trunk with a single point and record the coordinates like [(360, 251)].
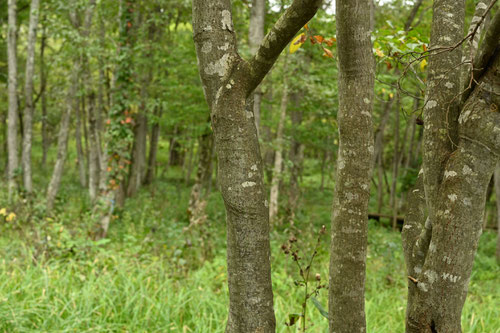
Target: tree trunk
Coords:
[(28, 92), (395, 169), (200, 189), (13, 106), (79, 149), (354, 167), (228, 82), (413, 14), (153, 148), (43, 83), (296, 158), (460, 156), (138, 158), (94, 165), (62, 142), (278, 159), (379, 153), (255, 37)]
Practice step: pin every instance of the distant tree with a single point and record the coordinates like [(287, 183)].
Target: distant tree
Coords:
[(13, 145), (228, 81)]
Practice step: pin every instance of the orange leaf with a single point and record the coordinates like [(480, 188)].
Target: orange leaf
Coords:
[(306, 26), (319, 38), (327, 53), (425, 48), (388, 63), (313, 41), (128, 120), (330, 41)]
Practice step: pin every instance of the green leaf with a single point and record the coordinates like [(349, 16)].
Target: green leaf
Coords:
[(320, 308)]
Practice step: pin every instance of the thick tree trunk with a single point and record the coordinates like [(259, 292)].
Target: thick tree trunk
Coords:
[(13, 146), (354, 167), (440, 257), (278, 159), (228, 82), (28, 93), (62, 143)]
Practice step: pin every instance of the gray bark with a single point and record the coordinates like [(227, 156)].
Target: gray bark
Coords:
[(43, 83), (28, 93), (79, 148), (440, 252), (228, 81), (278, 158), (138, 154), (94, 164), (13, 146), (255, 37), (354, 167)]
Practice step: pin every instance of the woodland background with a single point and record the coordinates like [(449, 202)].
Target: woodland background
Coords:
[(161, 264)]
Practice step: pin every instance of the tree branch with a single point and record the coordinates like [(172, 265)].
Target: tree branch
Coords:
[(294, 18)]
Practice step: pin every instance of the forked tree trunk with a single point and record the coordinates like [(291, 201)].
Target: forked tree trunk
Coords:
[(461, 149), (28, 93), (13, 146), (354, 167), (278, 157), (228, 82)]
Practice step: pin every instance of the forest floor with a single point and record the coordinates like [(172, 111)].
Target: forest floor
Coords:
[(151, 275)]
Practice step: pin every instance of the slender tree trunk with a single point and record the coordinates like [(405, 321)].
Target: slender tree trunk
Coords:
[(13, 106), (395, 169), (228, 82), (278, 159), (200, 189), (62, 143), (79, 149), (153, 148), (379, 153), (28, 92), (94, 165), (255, 37), (354, 167), (296, 158), (138, 159), (413, 14), (43, 83)]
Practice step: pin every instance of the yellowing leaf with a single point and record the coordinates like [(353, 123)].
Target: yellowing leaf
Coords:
[(306, 26), (391, 95), (297, 43), (423, 65), (3, 212), (379, 53)]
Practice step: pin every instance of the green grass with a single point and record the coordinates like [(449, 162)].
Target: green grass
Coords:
[(151, 276)]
